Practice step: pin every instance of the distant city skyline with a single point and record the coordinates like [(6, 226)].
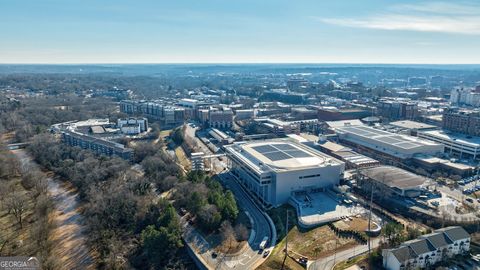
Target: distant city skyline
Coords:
[(216, 31)]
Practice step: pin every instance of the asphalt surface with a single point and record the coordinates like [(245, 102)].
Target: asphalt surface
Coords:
[(252, 257)]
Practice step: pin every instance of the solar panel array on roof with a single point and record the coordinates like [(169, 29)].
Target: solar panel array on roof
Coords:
[(264, 148), (277, 152), (284, 147), (382, 136), (408, 145), (298, 154), (277, 155)]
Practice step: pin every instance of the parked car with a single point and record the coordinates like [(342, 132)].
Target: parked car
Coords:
[(265, 253)]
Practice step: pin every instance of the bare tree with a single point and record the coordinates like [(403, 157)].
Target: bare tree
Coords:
[(16, 203), (227, 234), (3, 243), (242, 232), (5, 192)]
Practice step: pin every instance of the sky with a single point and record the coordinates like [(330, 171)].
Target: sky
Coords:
[(239, 31)]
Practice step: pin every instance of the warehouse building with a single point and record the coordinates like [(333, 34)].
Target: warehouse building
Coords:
[(352, 159), (388, 180), (387, 145), (275, 170)]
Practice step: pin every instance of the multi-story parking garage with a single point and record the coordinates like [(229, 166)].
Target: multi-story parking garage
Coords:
[(274, 170), (463, 146)]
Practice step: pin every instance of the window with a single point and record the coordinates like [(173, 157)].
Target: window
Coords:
[(309, 176)]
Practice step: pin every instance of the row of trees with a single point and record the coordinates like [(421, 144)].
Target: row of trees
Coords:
[(128, 224), (394, 234), (31, 116), (23, 196)]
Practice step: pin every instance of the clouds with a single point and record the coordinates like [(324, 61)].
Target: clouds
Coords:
[(438, 17)]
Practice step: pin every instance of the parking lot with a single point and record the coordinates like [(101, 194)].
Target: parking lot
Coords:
[(470, 184)]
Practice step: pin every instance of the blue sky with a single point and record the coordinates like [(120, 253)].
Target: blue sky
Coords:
[(250, 31)]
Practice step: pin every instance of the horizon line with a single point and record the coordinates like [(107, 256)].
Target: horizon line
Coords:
[(235, 63)]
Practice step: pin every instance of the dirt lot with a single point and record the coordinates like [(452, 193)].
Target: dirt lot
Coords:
[(356, 224), (317, 243)]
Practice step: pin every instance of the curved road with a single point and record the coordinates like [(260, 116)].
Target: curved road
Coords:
[(252, 257)]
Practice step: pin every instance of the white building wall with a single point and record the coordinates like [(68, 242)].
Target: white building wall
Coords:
[(390, 262), (290, 181), (451, 144), (130, 129), (142, 122)]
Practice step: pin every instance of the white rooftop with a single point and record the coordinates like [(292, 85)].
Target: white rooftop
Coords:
[(280, 155), (408, 124), (397, 140), (457, 137), (344, 123)]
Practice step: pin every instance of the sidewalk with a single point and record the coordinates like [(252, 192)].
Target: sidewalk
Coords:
[(329, 262)]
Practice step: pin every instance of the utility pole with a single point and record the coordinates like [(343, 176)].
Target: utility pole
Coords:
[(286, 241), (370, 215), (286, 235), (335, 253)]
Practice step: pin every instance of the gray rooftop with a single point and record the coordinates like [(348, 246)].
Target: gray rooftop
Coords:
[(409, 124), (394, 177), (403, 253), (455, 233), (438, 240), (420, 246)]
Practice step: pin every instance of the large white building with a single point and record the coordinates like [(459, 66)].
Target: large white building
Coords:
[(390, 144), (132, 125), (274, 170), (465, 96), (427, 250), (455, 143)]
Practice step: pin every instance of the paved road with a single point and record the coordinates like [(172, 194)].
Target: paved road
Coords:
[(329, 262), (252, 256)]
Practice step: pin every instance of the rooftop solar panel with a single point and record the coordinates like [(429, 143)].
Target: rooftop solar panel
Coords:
[(390, 140), (275, 156), (264, 148), (358, 131), (408, 145), (298, 154), (373, 131), (284, 147)]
